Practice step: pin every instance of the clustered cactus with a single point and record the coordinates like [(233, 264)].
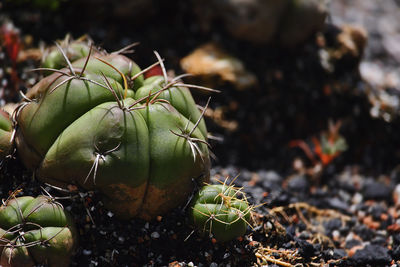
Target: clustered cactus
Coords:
[(99, 124), (96, 122), (35, 231), (222, 211)]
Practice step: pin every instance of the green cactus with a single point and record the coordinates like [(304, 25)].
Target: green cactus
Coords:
[(35, 231), (219, 211), (5, 135), (89, 125), (179, 97), (74, 49)]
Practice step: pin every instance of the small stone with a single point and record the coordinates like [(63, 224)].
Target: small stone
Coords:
[(298, 184), (357, 198), (352, 243), (331, 225), (373, 255), (396, 253), (336, 235), (376, 190), (336, 203), (379, 240), (339, 253), (396, 195), (155, 235), (87, 252), (271, 176)]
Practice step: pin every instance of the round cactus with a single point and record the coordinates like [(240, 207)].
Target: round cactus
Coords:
[(94, 125), (5, 135), (74, 49), (35, 231), (218, 210)]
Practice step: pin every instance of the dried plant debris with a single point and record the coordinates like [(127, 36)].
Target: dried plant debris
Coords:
[(213, 66)]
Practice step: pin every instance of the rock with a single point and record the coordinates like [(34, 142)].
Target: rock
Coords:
[(396, 195), (376, 190), (338, 253), (306, 249), (288, 22), (212, 65), (371, 254), (256, 21), (396, 253), (331, 225), (298, 184), (301, 20), (352, 243), (270, 176), (336, 203)]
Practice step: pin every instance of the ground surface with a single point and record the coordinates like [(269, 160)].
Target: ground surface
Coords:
[(345, 213)]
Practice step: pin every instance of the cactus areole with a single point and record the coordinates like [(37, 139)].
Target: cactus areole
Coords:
[(35, 231), (98, 124)]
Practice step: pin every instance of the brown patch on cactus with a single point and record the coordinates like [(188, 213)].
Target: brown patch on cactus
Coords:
[(40, 88), (126, 200), (27, 153), (158, 201)]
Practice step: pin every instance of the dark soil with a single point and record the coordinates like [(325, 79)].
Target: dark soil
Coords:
[(344, 215)]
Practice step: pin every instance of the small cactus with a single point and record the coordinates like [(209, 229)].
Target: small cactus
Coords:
[(100, 125), (219, 211), (35, 231)]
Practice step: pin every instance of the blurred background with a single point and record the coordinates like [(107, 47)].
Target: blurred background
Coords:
[(290, 72)]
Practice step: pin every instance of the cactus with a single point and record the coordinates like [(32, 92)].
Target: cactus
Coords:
[(94, 125), (35, 231), (219, 210), (74, 49), (5, 135)]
